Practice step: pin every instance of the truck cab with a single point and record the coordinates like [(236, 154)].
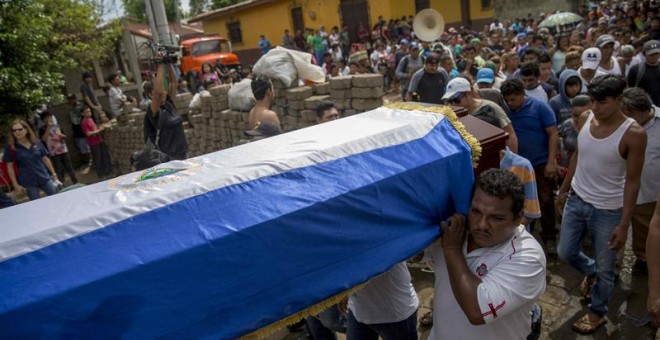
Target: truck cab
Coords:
[(208, 49)]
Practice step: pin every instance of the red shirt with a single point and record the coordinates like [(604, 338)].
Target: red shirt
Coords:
[(88, 125)]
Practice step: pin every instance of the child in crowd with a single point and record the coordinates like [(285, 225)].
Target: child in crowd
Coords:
[(99, 149)]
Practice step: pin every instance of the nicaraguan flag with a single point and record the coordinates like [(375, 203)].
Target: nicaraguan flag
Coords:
[(225, 244)]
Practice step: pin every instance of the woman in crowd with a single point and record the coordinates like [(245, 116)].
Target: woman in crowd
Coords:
[(35, 171), (54, 138), (510, 63), (559, 55), (208, 74)]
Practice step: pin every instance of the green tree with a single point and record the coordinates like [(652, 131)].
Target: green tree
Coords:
[(136, 9), (198, 7), (41, 38)]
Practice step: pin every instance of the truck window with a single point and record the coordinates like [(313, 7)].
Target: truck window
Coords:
[(210, 46), (185, 51)]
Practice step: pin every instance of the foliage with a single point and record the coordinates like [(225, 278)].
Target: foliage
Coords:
[(136, 9), (198, 7), (39, 39)]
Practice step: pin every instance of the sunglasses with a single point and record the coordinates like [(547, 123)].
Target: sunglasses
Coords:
[(17, 130), (456, 98)]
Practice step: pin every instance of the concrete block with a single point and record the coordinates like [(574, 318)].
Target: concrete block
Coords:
[(342, 104), (367, 80), (280, 101), (321, 88), (308, 115), (220, 90), (366, 104), (296, 105), (184, 97), (312, 102), (340, 94), (299, 93), (367, 92), (340, 83)]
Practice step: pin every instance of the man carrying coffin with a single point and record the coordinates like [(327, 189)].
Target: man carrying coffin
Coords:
[(487, 282)]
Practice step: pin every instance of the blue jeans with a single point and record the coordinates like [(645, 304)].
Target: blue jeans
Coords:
[(402, 330), (48, 187), (579, 219), (325, 324), (319, 57)]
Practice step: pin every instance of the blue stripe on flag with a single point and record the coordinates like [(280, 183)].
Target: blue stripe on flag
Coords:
[(236, 259)]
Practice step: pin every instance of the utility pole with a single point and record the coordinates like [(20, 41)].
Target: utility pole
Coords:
[(160, 29)]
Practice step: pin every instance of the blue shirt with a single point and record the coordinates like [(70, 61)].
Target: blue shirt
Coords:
[(31, 168), (530, 122), (264, 45)]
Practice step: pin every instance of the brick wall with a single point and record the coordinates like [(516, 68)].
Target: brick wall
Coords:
[(215, 126)]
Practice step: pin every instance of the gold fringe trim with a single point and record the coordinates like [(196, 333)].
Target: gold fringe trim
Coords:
[(453, 118), (323, 305), (312, 310)]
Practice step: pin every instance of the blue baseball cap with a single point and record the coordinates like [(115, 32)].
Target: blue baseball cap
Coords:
[(521, 36), (485, 75)]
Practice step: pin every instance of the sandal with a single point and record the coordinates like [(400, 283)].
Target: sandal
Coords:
[(427, 319), (585, 326), (586, 286)]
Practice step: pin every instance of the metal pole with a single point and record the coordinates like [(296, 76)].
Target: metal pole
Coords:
[(162, 27), (152, 21)]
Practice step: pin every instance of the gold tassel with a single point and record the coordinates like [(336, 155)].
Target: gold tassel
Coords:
[(453, 118), (323, 305), (312, 310)]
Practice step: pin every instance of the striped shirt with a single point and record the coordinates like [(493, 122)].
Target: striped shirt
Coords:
[(523, 169)]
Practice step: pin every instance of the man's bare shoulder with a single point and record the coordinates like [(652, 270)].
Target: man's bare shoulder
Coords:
[(263, 114)]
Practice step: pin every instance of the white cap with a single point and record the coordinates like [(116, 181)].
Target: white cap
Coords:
[(457, 85), (591, 58)]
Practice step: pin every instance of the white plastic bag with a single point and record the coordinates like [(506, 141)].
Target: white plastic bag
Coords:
[(241, 97), (286, 65)]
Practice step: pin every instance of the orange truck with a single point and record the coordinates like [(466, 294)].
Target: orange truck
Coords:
[(207, 49)]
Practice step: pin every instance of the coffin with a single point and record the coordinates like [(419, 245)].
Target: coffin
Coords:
[(491, 138), (232, 242)]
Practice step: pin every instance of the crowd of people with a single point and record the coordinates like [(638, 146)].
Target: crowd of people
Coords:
[(579, 102), (587, 85)]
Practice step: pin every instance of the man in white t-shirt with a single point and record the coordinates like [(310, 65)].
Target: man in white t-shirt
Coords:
[(487, 282), (386, 307), (589, 70)]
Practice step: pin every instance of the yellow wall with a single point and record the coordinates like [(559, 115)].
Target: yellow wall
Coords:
[(378, 8), (400, 8), (450, 10), (273, 18), (476, 12), (254, 21)]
